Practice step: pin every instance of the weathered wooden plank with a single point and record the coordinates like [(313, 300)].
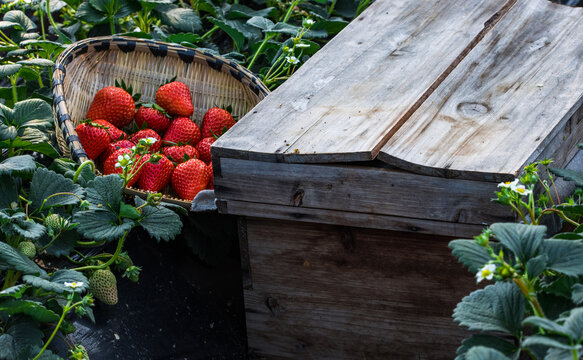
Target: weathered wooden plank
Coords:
[(329, 292), (506, 104), (348, 218), (360, 189), (352, 94)]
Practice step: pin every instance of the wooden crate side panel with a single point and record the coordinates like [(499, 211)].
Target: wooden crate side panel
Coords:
[(323, 292), (505, 103), (347, 218), (358, 189), (349, 97)]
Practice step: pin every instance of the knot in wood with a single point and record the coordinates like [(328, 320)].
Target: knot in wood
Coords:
[(273, 305), (297, 198)]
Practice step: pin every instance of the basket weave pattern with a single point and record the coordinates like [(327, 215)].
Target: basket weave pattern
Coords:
[(92, 64)]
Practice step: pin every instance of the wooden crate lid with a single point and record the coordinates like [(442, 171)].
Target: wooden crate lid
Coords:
[(473, 90)]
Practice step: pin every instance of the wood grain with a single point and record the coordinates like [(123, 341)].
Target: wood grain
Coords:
[(352, 94), (362, 189), (329, 292), (508, 103)]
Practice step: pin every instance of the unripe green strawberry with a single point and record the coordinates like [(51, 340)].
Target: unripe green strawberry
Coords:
[(175, 98), (103, 285), (27, 248), (113, 104), (189, 178), (54, 222), (216, 121)]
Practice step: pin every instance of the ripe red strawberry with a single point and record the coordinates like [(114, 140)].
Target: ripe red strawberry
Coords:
[(109, 165), (148, 133), (204, 148), (112, 147), (180, 154), (114, 133), (153, 116), (113, 104), (175, 98), (182, 131), (93, 137), (155, 176), (211, 184), (189, 178), (215, 121)]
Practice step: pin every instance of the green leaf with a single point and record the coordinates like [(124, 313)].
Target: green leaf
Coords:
[(470, 254), (55, 5), (12, 259), (315, 34), (101, 225), (159, 222), (45, 148), (498, 307), (18, 164), (29, 74), (331, 26), (33, 113), (208, 7), (17, 16), (485, 353), (63, 245), (574, 324), (489, 341), (46, 184), (9, 69), (7, 347), (285, 28), (25, 332), (9, 191), (14, 291), (56, 282), (571, 211), (523, 240), (86, 12), (539, 340), (37, 62), (4, 25), (535, 266), (564, 256), (346, 8), (6, 94), (569, 175), (105, 192), (183, 37), (546, 324), (19, 225), (183, 20), (261, 23), (31, 308), (227, 26), (569, 236), (237, 11), (129, 211), (577, 294), (559, 287)]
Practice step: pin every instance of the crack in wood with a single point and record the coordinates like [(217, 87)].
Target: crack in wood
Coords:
[(488, 26)]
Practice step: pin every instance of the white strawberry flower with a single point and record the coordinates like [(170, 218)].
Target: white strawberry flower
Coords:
[(486, 272), (123, 161), (521, 190), (74, 284), (508, 184), (292, 60)]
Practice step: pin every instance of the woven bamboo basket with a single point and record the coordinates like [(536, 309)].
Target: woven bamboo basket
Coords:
[(92, 64)]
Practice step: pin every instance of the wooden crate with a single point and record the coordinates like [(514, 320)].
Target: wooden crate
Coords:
[(351, 178)]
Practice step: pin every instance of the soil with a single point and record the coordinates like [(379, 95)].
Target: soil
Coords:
[(181, 308)]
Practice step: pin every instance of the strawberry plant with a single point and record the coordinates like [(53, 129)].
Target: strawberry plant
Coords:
[(534, 308)]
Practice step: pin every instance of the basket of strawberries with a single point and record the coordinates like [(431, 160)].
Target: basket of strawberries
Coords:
[(149, 111)]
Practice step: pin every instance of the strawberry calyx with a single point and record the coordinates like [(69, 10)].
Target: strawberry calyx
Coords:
[(129, 88), (168, 81)]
